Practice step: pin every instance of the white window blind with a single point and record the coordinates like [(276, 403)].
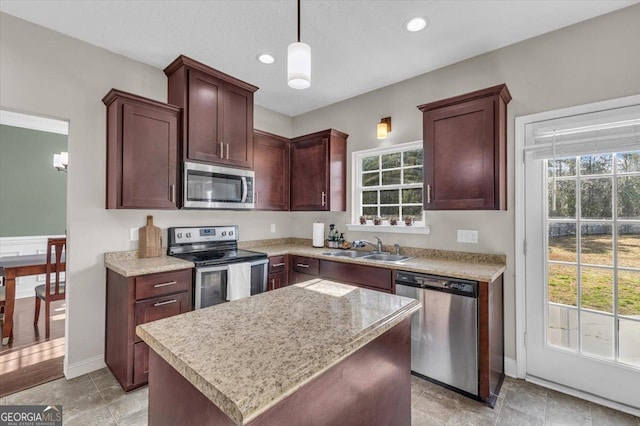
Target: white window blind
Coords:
[(613, 130)]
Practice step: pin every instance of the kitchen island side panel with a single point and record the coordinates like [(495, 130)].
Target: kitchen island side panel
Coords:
[(370, 386)]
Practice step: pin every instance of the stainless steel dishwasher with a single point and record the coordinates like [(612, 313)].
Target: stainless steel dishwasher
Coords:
[(444, 333)]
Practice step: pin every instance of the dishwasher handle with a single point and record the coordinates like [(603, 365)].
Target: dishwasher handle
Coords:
[(437, 283)]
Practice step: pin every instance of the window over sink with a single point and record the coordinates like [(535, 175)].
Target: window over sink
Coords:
[(387, 189)]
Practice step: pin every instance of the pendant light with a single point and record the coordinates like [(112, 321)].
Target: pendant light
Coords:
[(299, 62)]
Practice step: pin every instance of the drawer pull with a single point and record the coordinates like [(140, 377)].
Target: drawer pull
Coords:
[(165, 284), (275, 265), (302, 265), (166, 302)]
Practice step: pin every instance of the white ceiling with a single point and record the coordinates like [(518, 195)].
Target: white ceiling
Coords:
[(357, 46)]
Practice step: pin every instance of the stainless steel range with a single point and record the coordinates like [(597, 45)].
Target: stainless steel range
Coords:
[(214, 249)]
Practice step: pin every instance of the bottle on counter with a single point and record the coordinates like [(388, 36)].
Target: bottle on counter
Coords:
[(332, 235)]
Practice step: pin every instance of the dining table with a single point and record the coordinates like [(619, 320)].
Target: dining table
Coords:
[(12, 267)]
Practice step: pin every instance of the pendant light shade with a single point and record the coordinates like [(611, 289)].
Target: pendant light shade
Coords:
[(299, 62), (299, 65)]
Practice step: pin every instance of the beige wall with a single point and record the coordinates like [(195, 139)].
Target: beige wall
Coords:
[(591, 61), (45, 73)]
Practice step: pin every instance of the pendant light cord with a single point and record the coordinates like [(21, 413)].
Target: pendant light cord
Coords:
[(298, 21)]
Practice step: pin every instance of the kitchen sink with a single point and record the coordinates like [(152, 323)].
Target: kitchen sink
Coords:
[(349, 253), (386, 257)]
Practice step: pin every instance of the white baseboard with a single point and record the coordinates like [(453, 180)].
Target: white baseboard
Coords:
[(72, 371), (586, 396), (510, 368)]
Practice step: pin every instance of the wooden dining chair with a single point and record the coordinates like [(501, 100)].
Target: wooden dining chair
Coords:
[(55, 286)]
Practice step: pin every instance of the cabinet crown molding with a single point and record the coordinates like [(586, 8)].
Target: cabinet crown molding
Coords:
[(499, 90), (114, 94), (327, 132), (191, 63)]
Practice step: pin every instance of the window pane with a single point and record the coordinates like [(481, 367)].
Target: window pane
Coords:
[(412, 196), (596, 198), (563, 166), (415, 211), (370, 211), (391, 177), (629, 293), (390, 196), (562, 242), (371, 163), (369, 197), (597, 334), (563, 284), (629, 347), (629, 197), (565, 199), (563, 327), (596, 164), (597, 289), (413, 175), (388, 211), (628, 162), (390, 161), (370, 179), (596, 243), (412, 158), (629, 245)]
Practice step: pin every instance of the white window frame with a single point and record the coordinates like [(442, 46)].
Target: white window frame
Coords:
[(418, 227)]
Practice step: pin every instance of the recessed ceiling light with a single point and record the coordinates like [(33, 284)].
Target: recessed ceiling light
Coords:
[(416, 24), (265, 58)]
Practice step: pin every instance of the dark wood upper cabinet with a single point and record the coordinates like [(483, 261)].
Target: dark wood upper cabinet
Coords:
[(218, 113), (142, 152), (465, 144), (271, 165), (318, 171)]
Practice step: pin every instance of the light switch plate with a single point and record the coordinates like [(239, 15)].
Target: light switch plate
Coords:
[(133, 234), (468, 236), (273, 227)]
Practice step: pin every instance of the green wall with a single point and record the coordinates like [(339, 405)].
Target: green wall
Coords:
[(33, 195)]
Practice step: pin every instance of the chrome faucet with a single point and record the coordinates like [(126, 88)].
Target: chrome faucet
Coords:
[(396, 246), (361, 243)]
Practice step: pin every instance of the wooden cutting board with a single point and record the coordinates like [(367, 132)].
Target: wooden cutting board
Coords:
[(150, 240)]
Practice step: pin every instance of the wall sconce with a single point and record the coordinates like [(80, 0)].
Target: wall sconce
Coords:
[(61, 161), (384, 127)]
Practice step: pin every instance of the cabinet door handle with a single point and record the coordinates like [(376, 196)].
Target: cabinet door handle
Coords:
[(428, 194), (221, 149), (277, 264), (324, 198), (227, 151), (165, 284), (167, 302), (302, 265), (172, 196)]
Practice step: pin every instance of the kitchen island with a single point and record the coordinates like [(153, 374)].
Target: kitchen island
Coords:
[(318, 352)]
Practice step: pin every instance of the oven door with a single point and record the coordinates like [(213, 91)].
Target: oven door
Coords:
[(259, 276), (210, 286)]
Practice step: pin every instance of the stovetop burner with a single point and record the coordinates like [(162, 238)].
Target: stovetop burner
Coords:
[(209, 245)]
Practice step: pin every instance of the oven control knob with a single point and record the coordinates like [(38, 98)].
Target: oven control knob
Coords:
[(179, 235), (231, 233), (224, 233), (188, 234)]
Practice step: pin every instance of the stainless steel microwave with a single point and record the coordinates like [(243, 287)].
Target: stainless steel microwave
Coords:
[(216, 187)]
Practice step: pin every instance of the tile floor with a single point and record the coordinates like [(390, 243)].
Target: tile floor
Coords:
[(97, 399)]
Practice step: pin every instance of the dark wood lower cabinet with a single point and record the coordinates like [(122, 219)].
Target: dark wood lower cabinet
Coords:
[(136, 300), (361, 275)]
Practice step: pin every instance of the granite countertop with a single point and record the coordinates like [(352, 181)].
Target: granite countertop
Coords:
[(247, 355), (469, 266), (128, 264)]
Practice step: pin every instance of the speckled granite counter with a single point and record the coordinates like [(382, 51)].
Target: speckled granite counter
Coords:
[(246, 356), (128, 264), (470, 266)]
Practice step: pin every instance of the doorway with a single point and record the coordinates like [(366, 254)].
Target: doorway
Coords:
[(581, 228), (32, 209)]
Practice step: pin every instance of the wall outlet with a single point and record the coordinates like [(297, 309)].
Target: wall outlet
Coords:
[(469, 236), (273, 227), (133, 234)]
